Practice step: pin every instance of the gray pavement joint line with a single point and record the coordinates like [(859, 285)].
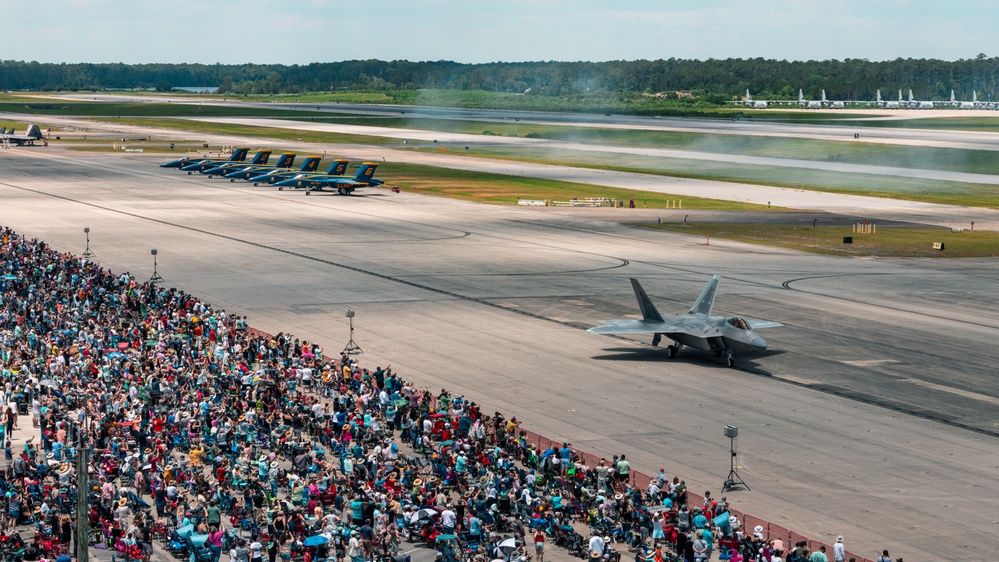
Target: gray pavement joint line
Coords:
[(787, 285)]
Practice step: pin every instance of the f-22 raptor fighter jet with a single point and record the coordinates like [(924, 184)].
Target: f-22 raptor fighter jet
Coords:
[(697, 329)]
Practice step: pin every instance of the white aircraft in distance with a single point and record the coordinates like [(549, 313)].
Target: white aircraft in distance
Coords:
[(820, 103), (27, 138), (809, 104), (890, 104), (916, 104), (973, 104), (696, 329), (755, 104)]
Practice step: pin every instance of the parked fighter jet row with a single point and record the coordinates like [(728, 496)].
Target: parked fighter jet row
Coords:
[(878, 102), (281, 174)]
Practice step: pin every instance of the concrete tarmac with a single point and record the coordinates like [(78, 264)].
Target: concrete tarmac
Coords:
[(874, 415)]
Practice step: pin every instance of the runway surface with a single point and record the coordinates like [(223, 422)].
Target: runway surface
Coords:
[(837, 130), (871, 207), (875, 415), (465, 138)]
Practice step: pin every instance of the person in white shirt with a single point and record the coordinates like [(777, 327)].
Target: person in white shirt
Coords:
[(448, 519), (597, 544), (839, 551)]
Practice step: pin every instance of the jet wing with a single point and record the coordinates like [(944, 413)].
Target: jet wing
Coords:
[(761, 324), (677, 325)]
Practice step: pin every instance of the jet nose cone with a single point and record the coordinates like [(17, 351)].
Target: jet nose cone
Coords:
[(758, 342)]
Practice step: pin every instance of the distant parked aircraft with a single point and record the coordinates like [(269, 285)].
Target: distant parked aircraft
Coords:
[(337, 168), (28, 138), (250, 173), (261, 157), (917, 104), (750, 102), (238, 155), (890, 104), (284, 162), (344, 186)]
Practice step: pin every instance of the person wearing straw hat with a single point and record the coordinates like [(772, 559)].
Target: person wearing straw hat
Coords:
[(839, 551)]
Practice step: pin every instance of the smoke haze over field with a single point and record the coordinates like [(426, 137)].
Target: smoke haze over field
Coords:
[(230, 31)]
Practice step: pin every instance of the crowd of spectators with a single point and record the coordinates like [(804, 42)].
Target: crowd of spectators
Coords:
[(264, 446)]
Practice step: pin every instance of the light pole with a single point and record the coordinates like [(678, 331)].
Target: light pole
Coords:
[(351, 348), (87, 253), (156, 276)]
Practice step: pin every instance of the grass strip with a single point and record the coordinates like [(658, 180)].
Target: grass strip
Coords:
[(891, 187), (886, 242), (504, 189)]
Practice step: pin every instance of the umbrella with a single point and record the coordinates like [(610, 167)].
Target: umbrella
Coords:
[(51, 383), (198, 540), (446, 443), (316, 540), (510, 543), (400, 403), (123, 345), (426, 513), (721, 519), (446, 537), (185, 530), (436, 416), (658, 508), (152, 343), (9, 277)]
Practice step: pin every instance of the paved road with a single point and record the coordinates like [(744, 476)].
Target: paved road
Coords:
[(873, 416)]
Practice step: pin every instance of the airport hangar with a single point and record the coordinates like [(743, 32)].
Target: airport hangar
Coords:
[(874, 415)]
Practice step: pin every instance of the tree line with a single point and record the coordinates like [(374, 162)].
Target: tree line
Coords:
[(716, 80)]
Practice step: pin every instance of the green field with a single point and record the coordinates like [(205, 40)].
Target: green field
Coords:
[(931, 191), (887, 242), (503, 189)]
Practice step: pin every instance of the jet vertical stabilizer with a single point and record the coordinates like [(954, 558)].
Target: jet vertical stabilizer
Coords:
[(649, 312), (704, 302)]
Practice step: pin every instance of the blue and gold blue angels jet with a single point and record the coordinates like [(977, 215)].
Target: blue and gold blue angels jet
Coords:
[(284, 162), (337, 168), (238, 155), (226, 167), (343, 185), (28, 138), (697, 329), (260, 157), (309, 165)]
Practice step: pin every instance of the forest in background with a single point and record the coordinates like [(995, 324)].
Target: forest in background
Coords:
[(712, 81)]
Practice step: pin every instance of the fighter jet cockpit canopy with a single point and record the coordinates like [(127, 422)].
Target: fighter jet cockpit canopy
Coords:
[(737, 322)]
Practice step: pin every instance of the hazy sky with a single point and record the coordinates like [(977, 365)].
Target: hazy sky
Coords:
[(303, 31)]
